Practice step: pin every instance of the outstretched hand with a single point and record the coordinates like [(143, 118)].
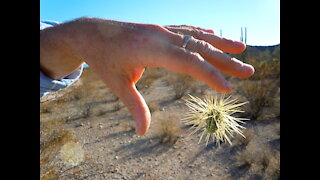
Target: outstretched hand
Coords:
[(119, 52)]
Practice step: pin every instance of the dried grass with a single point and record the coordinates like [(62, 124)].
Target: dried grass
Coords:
[(259, 160), (260, 94), (181, 84), (153, 106), (265, 69), (148, 77), (168, 129), (53, 135)]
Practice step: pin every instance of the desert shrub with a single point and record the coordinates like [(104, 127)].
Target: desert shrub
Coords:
[(260, 94), (44, 108), (276, 53), (181, 84), (265, 55), (82, 110), (116, 106), (148, 77), (153, 106), (168, 129), (112, 97), (242, 142), (259, 160), (77, 93), (265, 69), (82, 89), (85, 109), (128, 126)]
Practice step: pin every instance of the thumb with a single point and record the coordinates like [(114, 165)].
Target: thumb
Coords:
[(136, 104)]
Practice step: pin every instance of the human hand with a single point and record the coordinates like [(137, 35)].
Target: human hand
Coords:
[(119, 52)]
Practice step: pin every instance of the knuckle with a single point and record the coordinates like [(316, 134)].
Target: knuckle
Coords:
[(202, 45), (154, 27), (194, 58), (139, 45), (206, 47), (194, 32)]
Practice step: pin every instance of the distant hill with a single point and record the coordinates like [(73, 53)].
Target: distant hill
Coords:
[(259, 52), (254, 51), (262, 48)]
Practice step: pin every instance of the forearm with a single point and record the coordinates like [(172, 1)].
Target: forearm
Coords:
[(57, 56)]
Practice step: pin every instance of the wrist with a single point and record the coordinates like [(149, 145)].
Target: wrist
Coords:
[(57, 58)]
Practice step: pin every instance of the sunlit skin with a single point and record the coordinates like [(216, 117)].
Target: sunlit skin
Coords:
[(119, 52)]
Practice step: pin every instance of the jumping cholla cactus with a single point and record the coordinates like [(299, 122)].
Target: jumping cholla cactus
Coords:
[(213, 116)]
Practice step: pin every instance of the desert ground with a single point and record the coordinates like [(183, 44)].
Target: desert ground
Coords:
[(87, 133)]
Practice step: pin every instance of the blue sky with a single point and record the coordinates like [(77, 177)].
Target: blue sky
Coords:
[(261, 17)]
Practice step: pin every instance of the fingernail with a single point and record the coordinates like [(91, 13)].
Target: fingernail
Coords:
[(249, 69), (210, 31)]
